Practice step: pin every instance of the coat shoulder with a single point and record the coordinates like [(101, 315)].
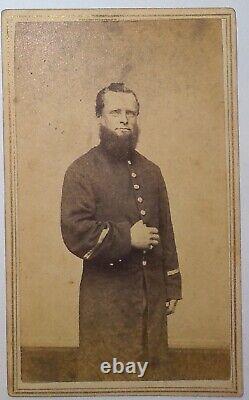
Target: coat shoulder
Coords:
[(84, 163)]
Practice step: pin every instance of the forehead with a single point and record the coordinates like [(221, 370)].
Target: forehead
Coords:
[(119, 100)]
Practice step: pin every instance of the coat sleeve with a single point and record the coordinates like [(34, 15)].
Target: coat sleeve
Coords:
[(84, 235), (170, 259)]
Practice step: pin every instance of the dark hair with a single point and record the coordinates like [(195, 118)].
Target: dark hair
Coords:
[(113, 87)]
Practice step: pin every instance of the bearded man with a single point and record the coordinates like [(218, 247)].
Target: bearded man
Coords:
[(116, 218)]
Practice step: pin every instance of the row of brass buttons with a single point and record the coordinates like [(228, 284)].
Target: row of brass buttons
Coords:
[(142, 212)]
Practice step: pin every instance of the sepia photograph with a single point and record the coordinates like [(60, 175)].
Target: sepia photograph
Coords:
[(122, 202)]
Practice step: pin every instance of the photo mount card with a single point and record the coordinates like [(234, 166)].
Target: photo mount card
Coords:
[(122, 202)]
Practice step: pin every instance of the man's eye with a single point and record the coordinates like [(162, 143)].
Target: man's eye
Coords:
[(131, 113), (115, 112)]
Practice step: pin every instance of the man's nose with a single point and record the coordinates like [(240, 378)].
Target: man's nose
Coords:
[(123, 117)]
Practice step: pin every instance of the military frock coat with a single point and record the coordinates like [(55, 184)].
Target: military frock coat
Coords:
[(102, 197)]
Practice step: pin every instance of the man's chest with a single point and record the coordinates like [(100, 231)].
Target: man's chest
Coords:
[(125, 191)]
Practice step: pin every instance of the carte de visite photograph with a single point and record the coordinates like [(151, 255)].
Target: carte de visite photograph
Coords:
[(122, 202)]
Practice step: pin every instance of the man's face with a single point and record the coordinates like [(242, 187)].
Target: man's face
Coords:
[(119, 113)]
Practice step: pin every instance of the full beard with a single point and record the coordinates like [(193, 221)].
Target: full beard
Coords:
[(120, 147)]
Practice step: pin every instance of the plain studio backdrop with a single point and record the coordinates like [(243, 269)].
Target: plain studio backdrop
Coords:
[(176, 69)]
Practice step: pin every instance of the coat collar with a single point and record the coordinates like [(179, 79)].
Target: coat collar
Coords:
[(132, 156)]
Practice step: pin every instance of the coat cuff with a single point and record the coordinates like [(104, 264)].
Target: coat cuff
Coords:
[(113, 244), (92, 251), (174, 284)]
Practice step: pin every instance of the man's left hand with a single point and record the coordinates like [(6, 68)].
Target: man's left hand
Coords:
[(171, 306)]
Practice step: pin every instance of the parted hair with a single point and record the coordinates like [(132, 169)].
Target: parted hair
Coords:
[(113, 87)]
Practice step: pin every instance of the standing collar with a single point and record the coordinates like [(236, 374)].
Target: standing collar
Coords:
[(112, 157)]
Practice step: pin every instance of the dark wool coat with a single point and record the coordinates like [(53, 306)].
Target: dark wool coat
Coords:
[(123, 289)]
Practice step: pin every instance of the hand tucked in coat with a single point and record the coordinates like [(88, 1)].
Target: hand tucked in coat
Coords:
[(143, 236)]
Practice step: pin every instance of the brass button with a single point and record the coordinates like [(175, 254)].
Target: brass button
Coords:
[(144, 262), (120, 260), (111, 264), (139, 199), (133, 174), (129, 162), (142, 212), (136, 187)]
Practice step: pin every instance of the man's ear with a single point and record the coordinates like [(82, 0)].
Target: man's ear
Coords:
[(100, 120)]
